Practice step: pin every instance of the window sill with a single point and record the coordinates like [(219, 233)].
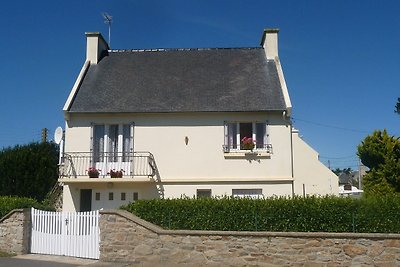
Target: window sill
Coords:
[(247, 154)]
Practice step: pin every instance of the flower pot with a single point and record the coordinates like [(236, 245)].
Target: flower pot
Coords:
[(116, 174)]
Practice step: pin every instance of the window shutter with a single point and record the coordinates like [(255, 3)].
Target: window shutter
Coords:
[(267, 138), (91, 142), (226, 140), (91, 136), (132, 136)]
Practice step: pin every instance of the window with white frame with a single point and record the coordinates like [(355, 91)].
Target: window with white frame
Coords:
[(237, 132), (247, 193), (113, 141)]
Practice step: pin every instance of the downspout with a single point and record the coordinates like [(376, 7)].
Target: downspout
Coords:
[(291, 155)]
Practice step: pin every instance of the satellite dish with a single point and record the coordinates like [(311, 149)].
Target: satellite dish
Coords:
[(58, 135)]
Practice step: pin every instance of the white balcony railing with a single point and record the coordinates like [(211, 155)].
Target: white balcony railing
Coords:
[(77, 164), (267, 148)]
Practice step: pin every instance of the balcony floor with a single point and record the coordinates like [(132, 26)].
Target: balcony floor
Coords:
[(136, 179)]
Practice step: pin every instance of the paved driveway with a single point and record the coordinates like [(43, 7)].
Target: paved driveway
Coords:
[(13, 262), (34, 260)]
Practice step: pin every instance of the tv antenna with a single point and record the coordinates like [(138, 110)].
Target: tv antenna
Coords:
[(108, 20)]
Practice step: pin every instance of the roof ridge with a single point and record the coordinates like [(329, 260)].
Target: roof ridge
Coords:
[(178, 49)]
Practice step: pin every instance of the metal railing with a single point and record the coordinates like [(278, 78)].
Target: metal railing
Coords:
[(239, 148), (77, 164)]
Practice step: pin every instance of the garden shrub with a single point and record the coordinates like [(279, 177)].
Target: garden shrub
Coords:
[(309, 214), (7, 204)]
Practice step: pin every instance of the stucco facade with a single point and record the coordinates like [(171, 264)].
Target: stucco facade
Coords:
[(292, 168), (187, 152)]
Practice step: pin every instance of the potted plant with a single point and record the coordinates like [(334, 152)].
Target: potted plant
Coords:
[(93, 172), (116, 174), (248, 143)]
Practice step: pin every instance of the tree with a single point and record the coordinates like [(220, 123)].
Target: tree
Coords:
[(28, 170), (397, 107), (381, 154)]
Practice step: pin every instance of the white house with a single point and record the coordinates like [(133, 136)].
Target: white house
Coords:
[(347, 190), (174, 119)]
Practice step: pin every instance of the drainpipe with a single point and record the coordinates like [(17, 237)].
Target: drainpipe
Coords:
[(291, 155)]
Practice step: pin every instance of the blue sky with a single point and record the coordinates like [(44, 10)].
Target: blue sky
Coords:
[(341, 59)]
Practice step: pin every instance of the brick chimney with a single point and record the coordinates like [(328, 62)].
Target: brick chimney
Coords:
[(96, 47), (269, 42)]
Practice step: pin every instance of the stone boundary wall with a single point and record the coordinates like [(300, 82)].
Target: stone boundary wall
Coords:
[(15, 232), (125, 237)]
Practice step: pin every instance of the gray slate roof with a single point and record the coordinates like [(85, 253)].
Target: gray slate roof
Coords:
[(181, 80)]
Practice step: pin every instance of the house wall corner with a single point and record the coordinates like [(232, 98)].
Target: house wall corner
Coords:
[(311, 177)]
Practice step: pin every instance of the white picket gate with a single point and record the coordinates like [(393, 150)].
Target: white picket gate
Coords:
[(75, 234)]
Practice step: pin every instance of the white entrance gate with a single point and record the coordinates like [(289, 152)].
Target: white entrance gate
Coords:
[(75, 234)]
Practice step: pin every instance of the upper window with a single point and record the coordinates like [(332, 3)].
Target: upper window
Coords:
[(246, 136), (112, 141)]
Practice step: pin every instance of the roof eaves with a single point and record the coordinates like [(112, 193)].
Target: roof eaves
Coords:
[(75, 88)]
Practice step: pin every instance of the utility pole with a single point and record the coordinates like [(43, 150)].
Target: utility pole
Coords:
[(359, 174), (44, 135)]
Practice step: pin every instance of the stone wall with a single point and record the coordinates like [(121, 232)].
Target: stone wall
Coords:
[(15, 232), (125, 237)]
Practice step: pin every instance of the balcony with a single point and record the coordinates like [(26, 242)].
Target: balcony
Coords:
[(237, 151), (267, 148), (135, 164)]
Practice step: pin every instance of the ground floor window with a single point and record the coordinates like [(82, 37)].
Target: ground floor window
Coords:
[(97, 196), (203, 193), (135, 196), (250, 193)]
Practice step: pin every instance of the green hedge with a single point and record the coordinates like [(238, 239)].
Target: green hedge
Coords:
[(28, 170), (310, 214), (7, 204)]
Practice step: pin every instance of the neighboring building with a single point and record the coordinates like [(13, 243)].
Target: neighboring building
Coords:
[(350, 183), (347, 190), (174, 119)]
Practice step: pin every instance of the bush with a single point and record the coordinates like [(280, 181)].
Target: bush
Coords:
[(28, 170), (7, 204), (310, 214)]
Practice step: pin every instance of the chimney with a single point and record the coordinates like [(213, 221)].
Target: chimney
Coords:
[(96, 47), (269, 42)]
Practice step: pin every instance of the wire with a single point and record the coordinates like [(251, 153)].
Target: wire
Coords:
[(330, 126), (345, 157)]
